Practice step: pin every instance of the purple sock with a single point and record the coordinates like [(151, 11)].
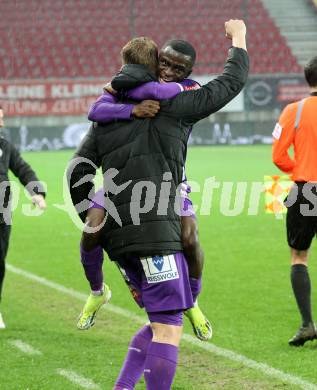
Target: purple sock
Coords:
[(195, 286), (160, 366), (92, 263), (133, 366)]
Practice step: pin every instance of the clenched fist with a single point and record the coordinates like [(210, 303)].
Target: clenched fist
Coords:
[(236, 30)]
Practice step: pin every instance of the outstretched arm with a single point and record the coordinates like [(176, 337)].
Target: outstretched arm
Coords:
[(195, 105), (23, 171)]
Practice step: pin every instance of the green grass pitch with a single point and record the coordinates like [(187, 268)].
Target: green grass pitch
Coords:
[(246, 291)]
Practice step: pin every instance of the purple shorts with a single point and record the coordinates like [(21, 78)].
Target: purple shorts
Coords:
[(98, 200), (187, 209), (158, 283)]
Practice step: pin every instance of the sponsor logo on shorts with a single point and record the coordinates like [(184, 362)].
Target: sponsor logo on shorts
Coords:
[(160, 268)]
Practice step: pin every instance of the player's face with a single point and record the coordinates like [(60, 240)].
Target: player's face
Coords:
[(1, 119), (173, 66)]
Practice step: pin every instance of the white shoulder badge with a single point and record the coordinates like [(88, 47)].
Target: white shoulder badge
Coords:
[(1, 152), (277, 131)]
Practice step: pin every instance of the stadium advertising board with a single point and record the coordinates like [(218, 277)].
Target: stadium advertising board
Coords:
[(221, 132), (33, 138), (63, 97), (229, 132), (58, 98), (264, 93)]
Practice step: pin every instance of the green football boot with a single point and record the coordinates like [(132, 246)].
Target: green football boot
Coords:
[(93, 304), (201, 325)]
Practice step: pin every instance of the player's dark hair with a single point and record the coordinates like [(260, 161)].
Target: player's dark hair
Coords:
[(183, 47), (141, 51), (310, 71)]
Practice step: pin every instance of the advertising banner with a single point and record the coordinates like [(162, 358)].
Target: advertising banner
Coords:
[(53, 98), (265, 93), (204, 133)]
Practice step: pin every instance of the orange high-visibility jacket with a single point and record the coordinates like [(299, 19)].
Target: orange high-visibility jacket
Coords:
[(297, 127)]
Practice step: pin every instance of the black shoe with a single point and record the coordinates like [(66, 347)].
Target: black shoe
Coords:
[(304, 333)]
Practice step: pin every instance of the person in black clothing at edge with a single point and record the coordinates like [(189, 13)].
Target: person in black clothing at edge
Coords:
[(143, 242), (10, 159)]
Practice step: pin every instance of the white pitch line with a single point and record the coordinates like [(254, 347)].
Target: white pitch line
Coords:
[(263, 367), (24, 347), (209, 347), (79, 380)]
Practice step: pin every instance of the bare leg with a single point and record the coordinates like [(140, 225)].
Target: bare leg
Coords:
[(192, 249)]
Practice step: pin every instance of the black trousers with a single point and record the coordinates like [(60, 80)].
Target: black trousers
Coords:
[(5, 231)]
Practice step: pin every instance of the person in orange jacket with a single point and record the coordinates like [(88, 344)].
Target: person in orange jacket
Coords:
[(297, 127)]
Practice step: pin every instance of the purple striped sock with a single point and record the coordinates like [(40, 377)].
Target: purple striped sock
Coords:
[(160, 366), (133, 366)]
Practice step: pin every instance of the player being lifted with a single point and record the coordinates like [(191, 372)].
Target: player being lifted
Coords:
[(147, 149), (176, 60)]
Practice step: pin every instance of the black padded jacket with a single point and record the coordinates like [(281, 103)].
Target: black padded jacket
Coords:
[(11, 160), (143, 150)]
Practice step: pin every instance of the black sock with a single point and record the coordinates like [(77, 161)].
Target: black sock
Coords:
[(301, 288)]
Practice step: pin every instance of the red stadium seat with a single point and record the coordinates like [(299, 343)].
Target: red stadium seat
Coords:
[(84, 38)]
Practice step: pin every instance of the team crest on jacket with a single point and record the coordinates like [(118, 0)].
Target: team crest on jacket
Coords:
[(191, 87)]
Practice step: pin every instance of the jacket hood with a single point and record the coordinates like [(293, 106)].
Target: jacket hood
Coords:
[(131, 76)]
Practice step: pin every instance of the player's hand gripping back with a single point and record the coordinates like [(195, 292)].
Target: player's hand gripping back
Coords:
[(236, 30), (146, 109)]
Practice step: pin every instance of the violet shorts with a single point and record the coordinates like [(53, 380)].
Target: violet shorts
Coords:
[(98, 200), (187, 209), (160, 284)]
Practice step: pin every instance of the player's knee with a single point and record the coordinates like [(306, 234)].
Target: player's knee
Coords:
[(299, 256), (92, 231), (167, 326), (95, 218), (167, 334)]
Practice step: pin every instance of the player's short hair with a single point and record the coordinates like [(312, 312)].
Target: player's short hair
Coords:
[(141, 51), (183, 47), (310, 71)]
